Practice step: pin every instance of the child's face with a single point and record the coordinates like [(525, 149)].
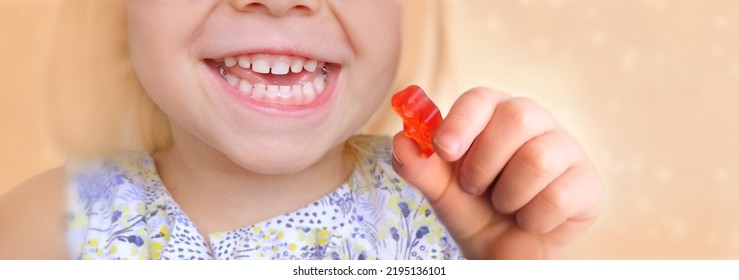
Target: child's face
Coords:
[(308, 73)]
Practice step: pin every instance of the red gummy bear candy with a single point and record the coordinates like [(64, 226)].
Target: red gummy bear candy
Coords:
[(420, 117)]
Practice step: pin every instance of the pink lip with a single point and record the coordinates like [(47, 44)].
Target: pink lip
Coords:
[(279, 110), (286, 51)]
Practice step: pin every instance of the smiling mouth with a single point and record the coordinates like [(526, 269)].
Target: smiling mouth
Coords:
[(276, 79)]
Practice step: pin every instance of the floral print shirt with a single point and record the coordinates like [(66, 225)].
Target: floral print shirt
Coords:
[(118, 208)]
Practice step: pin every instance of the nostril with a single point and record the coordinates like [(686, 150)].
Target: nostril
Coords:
[(277, 8), (255, 7), (302, 8)]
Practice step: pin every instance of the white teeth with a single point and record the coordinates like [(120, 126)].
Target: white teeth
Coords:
[(319, 84), (308, 87), (297, 92), (303, 92), (273, 90), (260, 65), (308, 91), (280, 68), (245, 86), (259, 91), (232, 80), (311, 65), (230, 61), (244, 62), (277, 65), (297, 65), (286, 95), (285, 91)]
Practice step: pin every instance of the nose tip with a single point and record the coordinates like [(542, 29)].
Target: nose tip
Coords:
[(278, 8)]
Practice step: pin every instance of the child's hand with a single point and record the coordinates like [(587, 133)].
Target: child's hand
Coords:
[(534, 187)]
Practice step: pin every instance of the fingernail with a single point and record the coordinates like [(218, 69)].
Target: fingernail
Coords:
[(396, 159), (471, 191), (467, 187), (448, 143)]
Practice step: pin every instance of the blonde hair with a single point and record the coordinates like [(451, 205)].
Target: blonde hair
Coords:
[(97, 104)]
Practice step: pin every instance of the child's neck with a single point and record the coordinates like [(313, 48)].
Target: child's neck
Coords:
[(218, 195)]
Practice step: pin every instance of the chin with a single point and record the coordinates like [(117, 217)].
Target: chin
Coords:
[(277, 161)]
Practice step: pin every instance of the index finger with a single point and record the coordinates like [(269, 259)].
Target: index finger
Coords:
[(467, 118)]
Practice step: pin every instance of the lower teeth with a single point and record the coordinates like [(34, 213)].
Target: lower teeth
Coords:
[(310, 89)]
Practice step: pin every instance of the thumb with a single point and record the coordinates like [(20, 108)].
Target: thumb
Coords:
[(430, 175), (463, 214)]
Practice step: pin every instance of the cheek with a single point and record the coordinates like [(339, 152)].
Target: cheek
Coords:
[(158, 34), (148, 39), (378, 36), (160, 30), (373, 29), (374, 32)]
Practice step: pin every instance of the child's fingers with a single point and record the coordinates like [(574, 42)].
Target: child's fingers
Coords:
[(430, 175), (514, 122), (466, 119), (463, 214), (534, 166), (575, 196)]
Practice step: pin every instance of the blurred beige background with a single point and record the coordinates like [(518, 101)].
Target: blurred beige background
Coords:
[(648, 86)]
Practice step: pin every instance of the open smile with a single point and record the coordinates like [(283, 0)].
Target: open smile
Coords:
[(276, 79)]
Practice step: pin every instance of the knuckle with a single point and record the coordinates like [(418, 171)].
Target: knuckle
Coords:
[(541, 157), (461, 118), (476, 94), (554, 201), (522, 112), (547, 211), (482, 95), (465, 108), (473, 173)]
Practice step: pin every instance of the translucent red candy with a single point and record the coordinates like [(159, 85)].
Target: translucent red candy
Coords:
[(420, 117)]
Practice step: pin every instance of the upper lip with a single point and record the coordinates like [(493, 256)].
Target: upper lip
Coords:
[(277, 51), (308, 37)]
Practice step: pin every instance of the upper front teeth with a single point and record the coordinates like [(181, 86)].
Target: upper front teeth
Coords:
[(280, 68), (277, 65), (260, 65)]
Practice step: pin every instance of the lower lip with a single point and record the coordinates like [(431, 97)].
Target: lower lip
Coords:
[(280, 110)]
